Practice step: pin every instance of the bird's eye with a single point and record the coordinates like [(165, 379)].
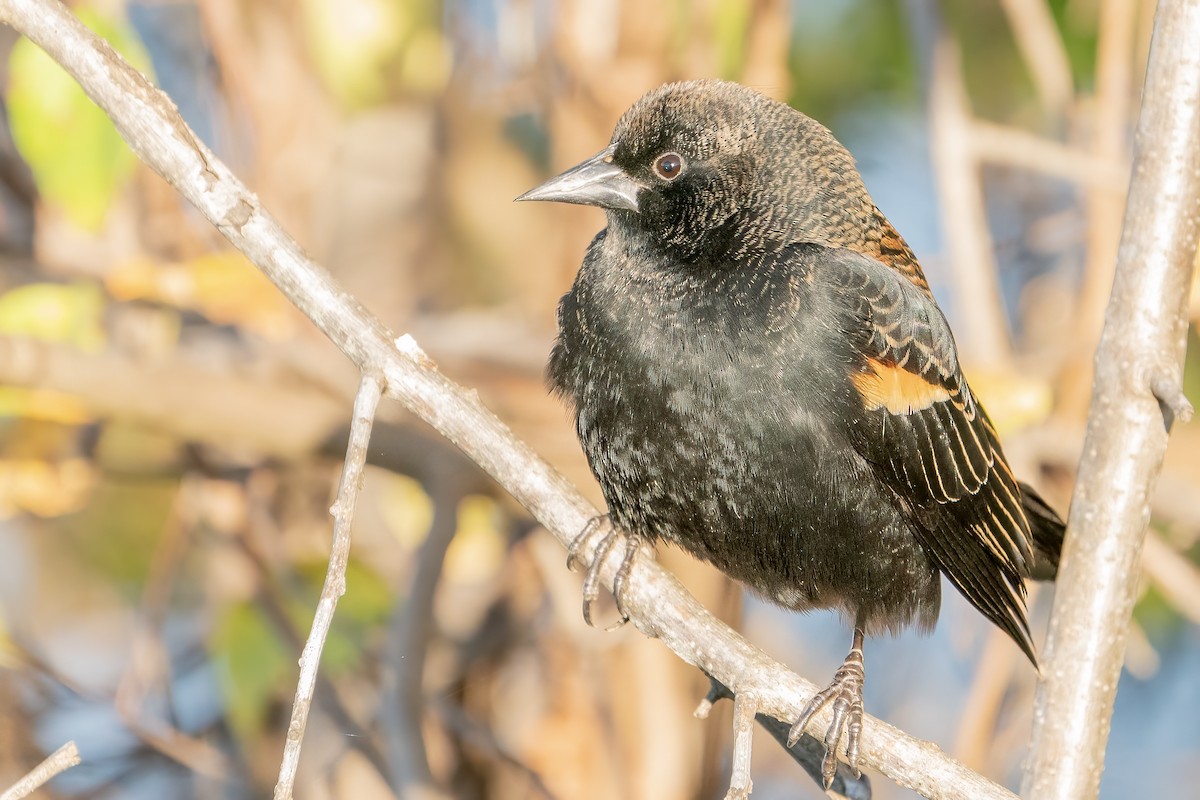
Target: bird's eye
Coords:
[(668, 166)]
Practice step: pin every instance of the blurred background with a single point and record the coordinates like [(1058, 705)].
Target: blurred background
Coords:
[(171, 429)]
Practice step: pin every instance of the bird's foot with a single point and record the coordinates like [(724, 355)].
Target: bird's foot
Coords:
[(809, 753), (605, 537), (845, 692)]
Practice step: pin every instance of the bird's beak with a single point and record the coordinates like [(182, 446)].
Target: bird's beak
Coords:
[(595, 182)]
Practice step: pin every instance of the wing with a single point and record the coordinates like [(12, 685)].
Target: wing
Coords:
[(930, 441)]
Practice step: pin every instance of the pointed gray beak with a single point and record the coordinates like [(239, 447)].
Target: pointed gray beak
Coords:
[(595, 182)]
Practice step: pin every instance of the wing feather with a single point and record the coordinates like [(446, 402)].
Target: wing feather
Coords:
[(929, 440)]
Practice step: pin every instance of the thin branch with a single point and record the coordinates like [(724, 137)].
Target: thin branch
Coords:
[(964, 216), (284, 418), (1144, 338), (409, 633), (656, 602), (1042, 48), (369, 392), (1002, 144), (975, 741), (60, 760), (1110, 123)]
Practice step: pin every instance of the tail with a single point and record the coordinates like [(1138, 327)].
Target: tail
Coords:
[(1048, 529)]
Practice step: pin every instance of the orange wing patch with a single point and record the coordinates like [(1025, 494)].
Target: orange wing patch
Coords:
[(896, 389)]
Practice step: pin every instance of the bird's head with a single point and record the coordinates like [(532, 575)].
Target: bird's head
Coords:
[(709, 167)]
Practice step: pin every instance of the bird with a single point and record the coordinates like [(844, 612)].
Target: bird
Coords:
[(759, 374)]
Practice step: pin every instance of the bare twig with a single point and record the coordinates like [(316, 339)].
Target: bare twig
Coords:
[(365, 404), (409, 633), (1110, 125), (1002, 144), (964, 217), (60, 760), (656, 602), (744, 710), (284, 419), (1042, 48), (975, 740), (1144, 337)]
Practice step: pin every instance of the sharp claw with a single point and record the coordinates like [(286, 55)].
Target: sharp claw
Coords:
[(853, 736), (580, 541), (828, 768), (845, 692), (591, 581), (622, 577), (814, 705)]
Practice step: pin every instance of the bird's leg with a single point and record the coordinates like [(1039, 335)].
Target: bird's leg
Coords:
[(808, 752), (609, 538), (845, 692)]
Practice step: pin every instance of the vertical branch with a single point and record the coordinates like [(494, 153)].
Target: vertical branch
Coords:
[(1043, 51), (1114, 79), (964, 217), (1135, 398), (369, 392)]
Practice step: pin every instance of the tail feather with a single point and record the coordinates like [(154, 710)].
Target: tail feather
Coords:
[(1048, 529)]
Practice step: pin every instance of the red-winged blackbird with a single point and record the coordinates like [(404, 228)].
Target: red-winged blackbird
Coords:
[(760, 375)]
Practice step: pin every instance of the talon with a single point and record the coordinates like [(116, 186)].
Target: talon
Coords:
[(591, 580), (580, 541), (632, 544), (845, 692)]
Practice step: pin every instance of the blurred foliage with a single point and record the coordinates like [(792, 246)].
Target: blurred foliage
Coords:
[(115, 534), (1079, 28), (1191, 367), (69, 314), (258, 664), (64, 313), (864, 45), (731, 23), (369, 50), (254, 663), (41, 487), (390, 136), (406, 509), (222, 285), (79, 161)]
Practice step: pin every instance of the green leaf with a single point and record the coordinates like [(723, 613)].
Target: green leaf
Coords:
[(254, 666), (79, 161)]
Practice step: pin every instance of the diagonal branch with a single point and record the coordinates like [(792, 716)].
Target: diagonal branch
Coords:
[(60, 760), (655, 601)]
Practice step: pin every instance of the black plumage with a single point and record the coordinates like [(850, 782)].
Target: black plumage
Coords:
[(760, 375)]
